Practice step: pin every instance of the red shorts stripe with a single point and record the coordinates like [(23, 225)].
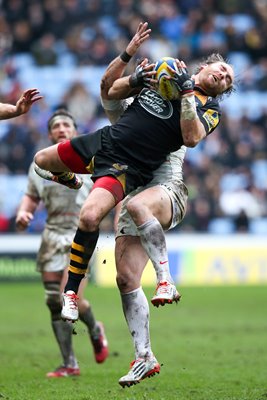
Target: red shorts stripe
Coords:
[(70, 158), (112, 185)]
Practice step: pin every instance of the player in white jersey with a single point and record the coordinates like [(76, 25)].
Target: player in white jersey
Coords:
[(63, 208), (145, 214)]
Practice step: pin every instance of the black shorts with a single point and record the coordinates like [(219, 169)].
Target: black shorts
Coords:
[(99, 157)]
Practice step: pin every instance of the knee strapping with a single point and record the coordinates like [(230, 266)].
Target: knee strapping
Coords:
[(53, 299)]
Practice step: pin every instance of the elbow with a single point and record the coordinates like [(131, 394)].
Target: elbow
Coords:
[(190, 142)]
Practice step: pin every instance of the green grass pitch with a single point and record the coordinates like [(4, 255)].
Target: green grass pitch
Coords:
[(213, 346)]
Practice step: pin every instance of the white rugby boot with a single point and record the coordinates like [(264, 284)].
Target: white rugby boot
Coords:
[(69, 310), (140, 369), (165, 293)]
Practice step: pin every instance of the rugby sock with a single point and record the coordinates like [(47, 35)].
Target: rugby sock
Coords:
[(65, 176), (136, 311), (82, 248), (153, 241), (62, 330), (63, 333), (87, 317)]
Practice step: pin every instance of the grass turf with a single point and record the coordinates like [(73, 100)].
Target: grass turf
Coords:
[(212, 347)]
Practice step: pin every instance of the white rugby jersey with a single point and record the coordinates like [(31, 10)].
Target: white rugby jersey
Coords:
[(62, 204)]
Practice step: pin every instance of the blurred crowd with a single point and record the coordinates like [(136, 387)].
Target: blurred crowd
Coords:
[(62, 47)]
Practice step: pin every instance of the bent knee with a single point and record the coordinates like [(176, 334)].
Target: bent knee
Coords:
[(89, 219), (40, 159), (136, 208), (126, 282)]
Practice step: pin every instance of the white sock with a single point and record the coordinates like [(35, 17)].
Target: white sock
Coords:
[(136, 312), (153, 241)]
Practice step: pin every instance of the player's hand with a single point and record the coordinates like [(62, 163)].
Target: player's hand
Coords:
[(143, 75), (26, 100), (182, 79), (142, 34), (23, 219)]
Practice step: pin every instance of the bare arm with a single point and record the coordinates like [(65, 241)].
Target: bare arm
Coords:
[(26, 211), (22, 106), (192, 128), (115, 106), (117, 67)]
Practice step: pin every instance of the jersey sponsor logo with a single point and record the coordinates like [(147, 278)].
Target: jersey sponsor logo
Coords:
[(153, 103), (212, 118)]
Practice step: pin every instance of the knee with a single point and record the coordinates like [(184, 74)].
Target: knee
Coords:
[(89, 219), (125, 281), (40, 159), (83, 305), (53, 299), (137, 209)]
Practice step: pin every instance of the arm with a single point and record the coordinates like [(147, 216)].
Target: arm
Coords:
[(25, 212), (22, 106), (132, 84), (117, 67), (114, 106), (192, 128)]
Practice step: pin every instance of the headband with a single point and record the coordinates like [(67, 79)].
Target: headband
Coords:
[(57, 118)]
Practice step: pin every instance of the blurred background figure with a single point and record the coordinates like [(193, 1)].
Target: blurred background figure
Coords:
[(63, 207)]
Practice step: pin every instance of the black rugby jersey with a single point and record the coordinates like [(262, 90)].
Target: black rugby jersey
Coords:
[(150, 127)]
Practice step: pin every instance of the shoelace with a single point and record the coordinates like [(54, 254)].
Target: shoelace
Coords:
[(73, 300), (163, 287)]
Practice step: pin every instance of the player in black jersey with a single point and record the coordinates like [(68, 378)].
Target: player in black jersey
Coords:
[(124, 155)]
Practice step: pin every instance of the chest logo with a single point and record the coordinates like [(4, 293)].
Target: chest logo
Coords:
[(153, 103)]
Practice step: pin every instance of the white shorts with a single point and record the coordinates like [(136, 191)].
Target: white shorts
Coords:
[(53, 255), (178, 193)]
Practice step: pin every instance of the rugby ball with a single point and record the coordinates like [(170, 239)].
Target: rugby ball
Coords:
[(165, 87)]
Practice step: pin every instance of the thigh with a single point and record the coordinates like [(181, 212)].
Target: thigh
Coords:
[(178, 193), (97, 205), (149, 203)]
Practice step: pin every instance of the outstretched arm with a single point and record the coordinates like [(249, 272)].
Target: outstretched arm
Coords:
[(22, 106), (114, 106), (117, 67)]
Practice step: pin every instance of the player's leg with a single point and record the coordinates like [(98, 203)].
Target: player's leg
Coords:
[(58, 163), (61, 329), (151, 210), (95, 328), (99, 202), (131, 260)]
